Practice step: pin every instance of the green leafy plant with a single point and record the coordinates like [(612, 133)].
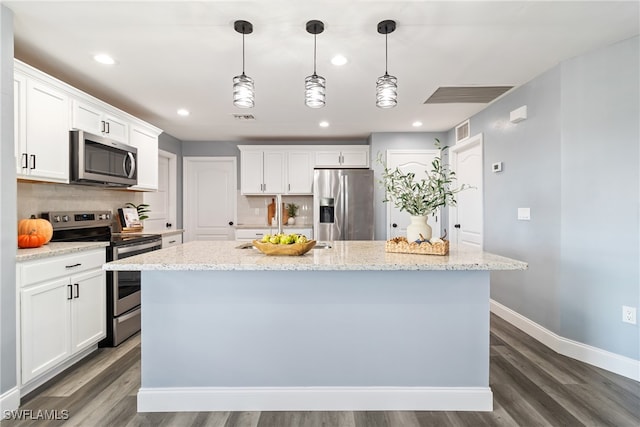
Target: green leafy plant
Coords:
[(142, 208), (292, 210), (423, 197)]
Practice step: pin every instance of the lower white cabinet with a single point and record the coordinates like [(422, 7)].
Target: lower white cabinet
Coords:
[(62, 314), (171, 240)]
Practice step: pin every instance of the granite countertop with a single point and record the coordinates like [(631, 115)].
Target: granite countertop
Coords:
[(57, 248), (343, 255)]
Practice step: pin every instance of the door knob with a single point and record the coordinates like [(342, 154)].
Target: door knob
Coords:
[(168, 225), (457, 226), (230, 222), (394, 225)]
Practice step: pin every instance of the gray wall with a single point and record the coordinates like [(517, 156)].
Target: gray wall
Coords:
[(380, 142), (8, 219), (575, 163), (230, 148), (173, 145)]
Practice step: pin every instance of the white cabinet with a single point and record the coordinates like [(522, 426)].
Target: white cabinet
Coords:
[(355, 156), (300, 172), (250, 234), (146, 141), (62, 309), (171, 240), (42, 130), (262, 171), (93, 119)]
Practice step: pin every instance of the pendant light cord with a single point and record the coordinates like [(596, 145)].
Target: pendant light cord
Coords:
[(242, 53), (386, 54), (314, 54)]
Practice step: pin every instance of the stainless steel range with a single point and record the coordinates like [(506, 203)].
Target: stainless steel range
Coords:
[(123, 287)]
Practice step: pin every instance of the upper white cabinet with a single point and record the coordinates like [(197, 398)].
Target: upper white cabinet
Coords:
[(146, 141), (46, 109), (300, 172), (262, 171), (41, 130), (354, 156), (93, 119)]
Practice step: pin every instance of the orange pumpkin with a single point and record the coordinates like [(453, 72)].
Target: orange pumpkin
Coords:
[(31, 240), (38, 226)]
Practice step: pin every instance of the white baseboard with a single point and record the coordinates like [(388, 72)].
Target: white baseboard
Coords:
[(612, 362), (196, 399), (9, 400)]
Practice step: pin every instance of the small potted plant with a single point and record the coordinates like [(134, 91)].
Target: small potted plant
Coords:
[(420, 198), (292, 211)]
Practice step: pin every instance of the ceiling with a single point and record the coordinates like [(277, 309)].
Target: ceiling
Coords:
[(184, 54)]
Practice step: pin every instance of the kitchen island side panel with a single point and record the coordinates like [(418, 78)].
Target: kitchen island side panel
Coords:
[(315, 329)]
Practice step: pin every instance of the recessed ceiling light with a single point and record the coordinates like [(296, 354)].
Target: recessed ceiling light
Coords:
[(339, 60), (183, 112), (417, 124), (103, 58), (324, 124)]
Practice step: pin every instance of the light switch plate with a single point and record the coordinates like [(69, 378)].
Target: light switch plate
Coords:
[(496, 167), (524, 214)]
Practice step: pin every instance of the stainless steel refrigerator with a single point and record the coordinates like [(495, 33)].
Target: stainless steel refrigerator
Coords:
[(343, 204)]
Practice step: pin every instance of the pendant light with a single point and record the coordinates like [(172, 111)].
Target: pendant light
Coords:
[(386, 86), (243, 90), (314, 84)]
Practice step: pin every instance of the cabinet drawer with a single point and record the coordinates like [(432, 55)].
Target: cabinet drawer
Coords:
[(171, 240), (251, 233), (64, 265)]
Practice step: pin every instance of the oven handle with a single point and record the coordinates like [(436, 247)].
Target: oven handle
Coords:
[(133, 313), (134, 248)]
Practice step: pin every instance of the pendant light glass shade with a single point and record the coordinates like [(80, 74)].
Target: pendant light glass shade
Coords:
[(386, 91), (243, 91), (386, 86), (314, 85), (314, 95), (243, 88)]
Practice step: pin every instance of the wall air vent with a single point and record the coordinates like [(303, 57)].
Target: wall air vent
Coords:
[(466, 94), (244, 117)]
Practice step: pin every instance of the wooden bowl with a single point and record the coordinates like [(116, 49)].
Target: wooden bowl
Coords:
[(288, 250)]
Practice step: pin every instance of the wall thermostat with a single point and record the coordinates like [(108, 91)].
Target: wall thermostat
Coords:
[(496, 167)]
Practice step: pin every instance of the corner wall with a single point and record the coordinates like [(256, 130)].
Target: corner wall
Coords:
[(8, 221), (575, 163), (173, 145)]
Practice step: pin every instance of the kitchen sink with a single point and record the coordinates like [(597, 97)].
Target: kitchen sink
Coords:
[(319, 245)]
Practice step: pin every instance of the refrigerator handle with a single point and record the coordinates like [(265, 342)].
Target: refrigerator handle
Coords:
[(344, 183)]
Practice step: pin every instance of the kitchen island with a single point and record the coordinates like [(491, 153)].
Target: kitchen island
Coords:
[(345, 328)]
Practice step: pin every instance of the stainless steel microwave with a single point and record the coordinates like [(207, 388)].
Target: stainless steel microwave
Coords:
[(96, 160)]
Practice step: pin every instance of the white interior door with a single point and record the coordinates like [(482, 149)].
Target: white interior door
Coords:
[(210, 192), (466, 219), (162, 203), (418, 162)]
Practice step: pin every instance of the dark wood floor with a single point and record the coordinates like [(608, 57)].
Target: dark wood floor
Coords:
[(532, 386)]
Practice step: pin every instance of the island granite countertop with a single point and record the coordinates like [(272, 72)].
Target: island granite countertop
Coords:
[(342, 256)]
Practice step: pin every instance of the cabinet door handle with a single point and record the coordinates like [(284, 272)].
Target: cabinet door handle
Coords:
[(171, 241), (73, 265), (230, 222), (288, 187), (102, 122), (25, 161), (77, 285), (108, 127), (69, 292), (394, 225), (32, 159), (457, 226)]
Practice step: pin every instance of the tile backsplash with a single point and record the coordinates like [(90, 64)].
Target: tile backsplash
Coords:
[(252, 210), (36, 197)]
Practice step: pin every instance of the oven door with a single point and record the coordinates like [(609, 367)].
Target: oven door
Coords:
[(126, 284)]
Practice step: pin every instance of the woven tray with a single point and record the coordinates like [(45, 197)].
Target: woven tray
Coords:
[(289, 250), (400, 245)]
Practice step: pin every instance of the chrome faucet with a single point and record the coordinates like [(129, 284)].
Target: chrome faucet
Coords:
[(279, 212)]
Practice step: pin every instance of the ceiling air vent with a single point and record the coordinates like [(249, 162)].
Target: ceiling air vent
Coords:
[(466, 94), (244, 117)]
